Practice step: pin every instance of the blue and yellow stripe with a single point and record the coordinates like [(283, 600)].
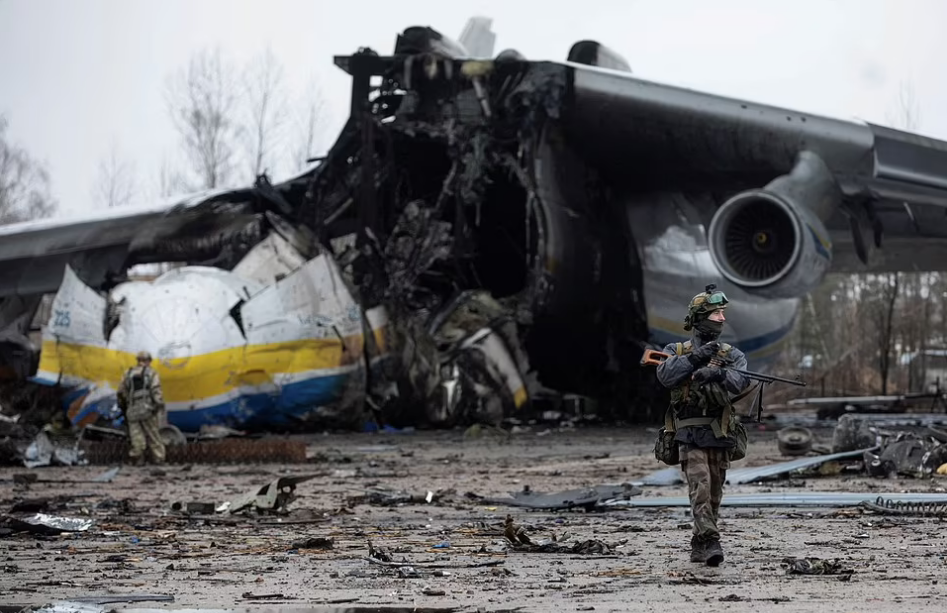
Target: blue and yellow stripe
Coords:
[(269, 383)]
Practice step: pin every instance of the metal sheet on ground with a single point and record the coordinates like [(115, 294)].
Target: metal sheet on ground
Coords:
[(665, 476), (755, 473), (749, 474), (801, 499), (588, 498), (888, 420)]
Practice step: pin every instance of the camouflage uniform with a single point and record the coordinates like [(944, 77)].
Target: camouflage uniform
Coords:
[(140, 397), (702, 414), (705, 470)]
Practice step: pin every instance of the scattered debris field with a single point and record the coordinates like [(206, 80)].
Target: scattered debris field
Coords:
[(418, 520)]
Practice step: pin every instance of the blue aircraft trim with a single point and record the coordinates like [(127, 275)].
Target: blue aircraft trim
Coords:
[(293, 401), (820, 246)]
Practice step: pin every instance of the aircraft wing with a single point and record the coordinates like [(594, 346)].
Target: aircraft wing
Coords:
[(888, 208), (100, 246), (901, 237), (674, 134), (782, 196)]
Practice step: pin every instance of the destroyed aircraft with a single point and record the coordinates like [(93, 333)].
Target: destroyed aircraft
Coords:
[(266, 344), (261, 344), (571, 207)]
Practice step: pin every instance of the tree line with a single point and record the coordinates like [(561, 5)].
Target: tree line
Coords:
[(24, 182), (232, 121), (869, 334), (236, 122)]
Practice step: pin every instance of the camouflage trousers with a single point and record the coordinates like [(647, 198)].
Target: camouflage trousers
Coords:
[(705, 470), (144, 433)]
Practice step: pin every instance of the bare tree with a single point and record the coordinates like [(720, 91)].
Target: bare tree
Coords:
[(169, 181), (115, 184), (307, 121), (202, 100), (905, 333), (889, 286), (265, 112), (24, 183), (906, 110)]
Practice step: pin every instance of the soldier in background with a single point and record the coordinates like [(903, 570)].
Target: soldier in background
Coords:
[(140, 397)]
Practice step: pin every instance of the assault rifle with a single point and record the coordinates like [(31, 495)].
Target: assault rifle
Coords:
[(653, 358)]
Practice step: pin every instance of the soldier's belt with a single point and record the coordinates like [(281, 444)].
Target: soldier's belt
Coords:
[(695, 421)]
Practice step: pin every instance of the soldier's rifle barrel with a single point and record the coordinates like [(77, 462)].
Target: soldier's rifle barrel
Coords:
[(765, 378), (653, 358)]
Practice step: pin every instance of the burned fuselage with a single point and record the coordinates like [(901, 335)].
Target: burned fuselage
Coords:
[(480, 148)]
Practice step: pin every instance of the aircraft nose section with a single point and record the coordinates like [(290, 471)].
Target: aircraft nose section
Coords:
[(189, 320), (175, 353)]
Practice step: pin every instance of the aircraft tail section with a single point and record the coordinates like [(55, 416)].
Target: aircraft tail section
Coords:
[(477, 37)]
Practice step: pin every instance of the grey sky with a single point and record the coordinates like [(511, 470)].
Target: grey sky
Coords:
[(80, 77)]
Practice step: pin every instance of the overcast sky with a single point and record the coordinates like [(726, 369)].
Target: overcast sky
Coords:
[(79, 78)]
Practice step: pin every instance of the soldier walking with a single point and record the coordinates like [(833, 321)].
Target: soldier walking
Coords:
[(703, 414), (140, 397)]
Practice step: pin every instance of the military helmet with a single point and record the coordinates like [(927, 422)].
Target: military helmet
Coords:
[(143, 355), (704, 304)]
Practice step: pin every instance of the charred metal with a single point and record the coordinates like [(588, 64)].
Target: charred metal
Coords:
[(457, 175)]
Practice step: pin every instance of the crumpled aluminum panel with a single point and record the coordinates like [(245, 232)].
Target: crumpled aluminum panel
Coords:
[(749, 474)]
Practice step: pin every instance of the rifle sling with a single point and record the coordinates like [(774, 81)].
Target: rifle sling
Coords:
[(744, 393)]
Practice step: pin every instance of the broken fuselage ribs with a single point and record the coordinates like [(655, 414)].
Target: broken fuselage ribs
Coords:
[(455, 175)]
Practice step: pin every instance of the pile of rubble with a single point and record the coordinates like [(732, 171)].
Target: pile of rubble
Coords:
[(889, 453), (33, 429)]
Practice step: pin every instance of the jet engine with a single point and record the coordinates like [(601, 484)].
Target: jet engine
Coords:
[(772, 242)]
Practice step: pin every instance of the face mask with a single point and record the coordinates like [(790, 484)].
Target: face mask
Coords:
[(709, 330)]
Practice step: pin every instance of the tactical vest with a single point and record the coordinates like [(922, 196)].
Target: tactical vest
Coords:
[(700, 405), (139, 382)]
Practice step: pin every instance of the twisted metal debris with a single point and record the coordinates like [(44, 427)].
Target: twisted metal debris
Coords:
[(906, 507)]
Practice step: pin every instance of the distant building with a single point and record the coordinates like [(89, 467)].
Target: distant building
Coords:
[(928, 365)]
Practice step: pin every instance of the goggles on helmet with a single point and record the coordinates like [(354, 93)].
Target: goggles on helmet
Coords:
[(717, 298)]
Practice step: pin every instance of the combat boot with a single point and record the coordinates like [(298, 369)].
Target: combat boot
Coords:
[(714, 553), (698, 550)]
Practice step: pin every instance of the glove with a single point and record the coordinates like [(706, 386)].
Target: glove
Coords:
[(702, 354), (709, 374)]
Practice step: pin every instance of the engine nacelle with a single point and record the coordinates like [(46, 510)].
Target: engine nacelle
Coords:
[(591, 53), (772, 241)]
